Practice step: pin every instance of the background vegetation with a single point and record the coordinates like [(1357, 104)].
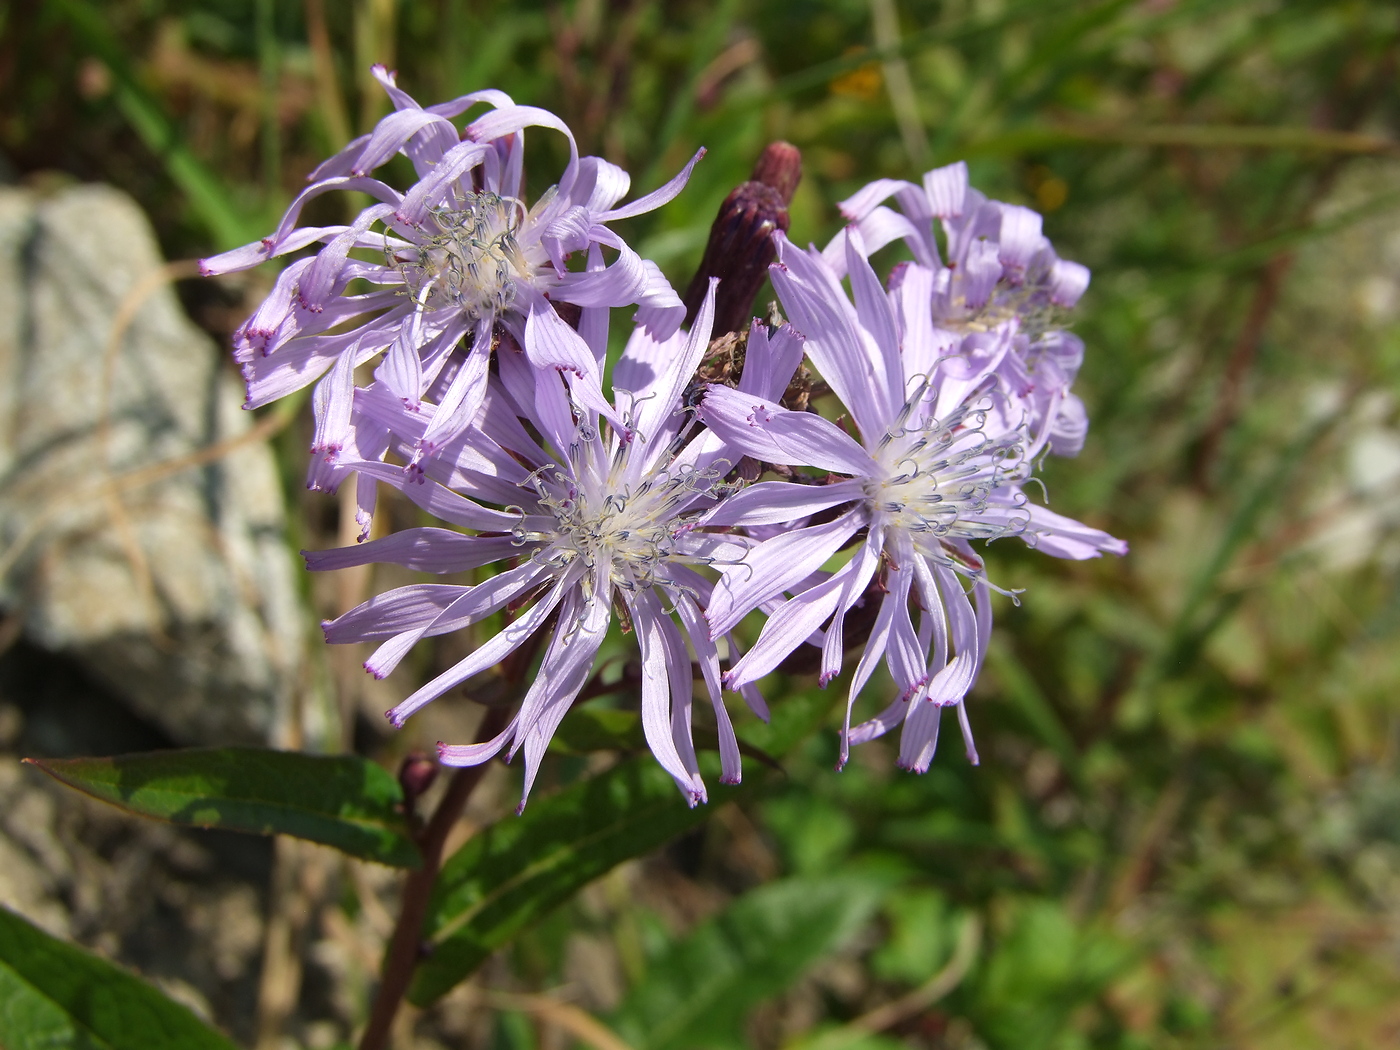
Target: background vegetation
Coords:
[(1185, 830)]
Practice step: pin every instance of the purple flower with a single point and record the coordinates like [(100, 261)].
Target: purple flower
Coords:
[(457, 257), (999, 268), (944, 445), (583, 517)]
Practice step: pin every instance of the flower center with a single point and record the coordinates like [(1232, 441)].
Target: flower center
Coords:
[(939, 473), (472, 260), (1006, 303), (631, 530), (964, 304)]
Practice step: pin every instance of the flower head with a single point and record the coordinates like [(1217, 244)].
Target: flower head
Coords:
[(944, 443), (590, 519), (999, 270), (457, 259)]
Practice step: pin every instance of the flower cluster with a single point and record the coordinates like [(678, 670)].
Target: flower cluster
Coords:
[(452, 264), (956, 378), (487, 407)]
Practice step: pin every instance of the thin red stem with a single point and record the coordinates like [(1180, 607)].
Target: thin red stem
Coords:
[(405, 946)]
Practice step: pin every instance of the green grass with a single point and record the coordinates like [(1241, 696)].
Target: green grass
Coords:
[(1183, 832)]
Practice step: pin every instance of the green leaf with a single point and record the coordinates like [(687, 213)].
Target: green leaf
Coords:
[(792, 721), (515, 871), (586, 729), (54, 995), (701, 990), (337, 800), (1043, 968), (1199, 615), (1024, 694)]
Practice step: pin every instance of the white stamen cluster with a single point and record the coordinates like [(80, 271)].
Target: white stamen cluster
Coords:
[(599, 520), (939, 472), (1023, 303), (472, 261)]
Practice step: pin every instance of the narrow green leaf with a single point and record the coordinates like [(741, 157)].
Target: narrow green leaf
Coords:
[(1206, 605), (1032, 138), (701, 990), (792, 722), (705, 46), (588, 729), (54, 995), (947, 31), (229, 224), (517, 870), (338, 800)]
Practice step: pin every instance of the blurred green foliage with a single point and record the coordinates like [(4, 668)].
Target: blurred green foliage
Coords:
[(55, 995), (1185, 830)]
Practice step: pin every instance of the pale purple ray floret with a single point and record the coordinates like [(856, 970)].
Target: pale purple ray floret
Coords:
[(455, 260), (582, 517), (946, 440), (999, 268)]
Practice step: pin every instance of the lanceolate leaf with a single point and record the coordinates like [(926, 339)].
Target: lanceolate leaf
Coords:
[(54, 995), (517, 870), (338, 800)]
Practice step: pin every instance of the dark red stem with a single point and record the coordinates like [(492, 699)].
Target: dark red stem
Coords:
[(405, 946)]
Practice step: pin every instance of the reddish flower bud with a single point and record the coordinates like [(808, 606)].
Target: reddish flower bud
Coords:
[(741, 239), (416, 774)]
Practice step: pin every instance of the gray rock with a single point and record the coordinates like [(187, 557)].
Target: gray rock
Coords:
[(183, 909), (178, 593)]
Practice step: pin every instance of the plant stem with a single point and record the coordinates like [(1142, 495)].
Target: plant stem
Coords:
[(404, 950)]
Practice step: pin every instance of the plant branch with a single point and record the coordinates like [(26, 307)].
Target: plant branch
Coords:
[(405, 946)]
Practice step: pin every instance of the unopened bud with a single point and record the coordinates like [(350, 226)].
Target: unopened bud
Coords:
[(741, 239), (780, 166), (416, 774)]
